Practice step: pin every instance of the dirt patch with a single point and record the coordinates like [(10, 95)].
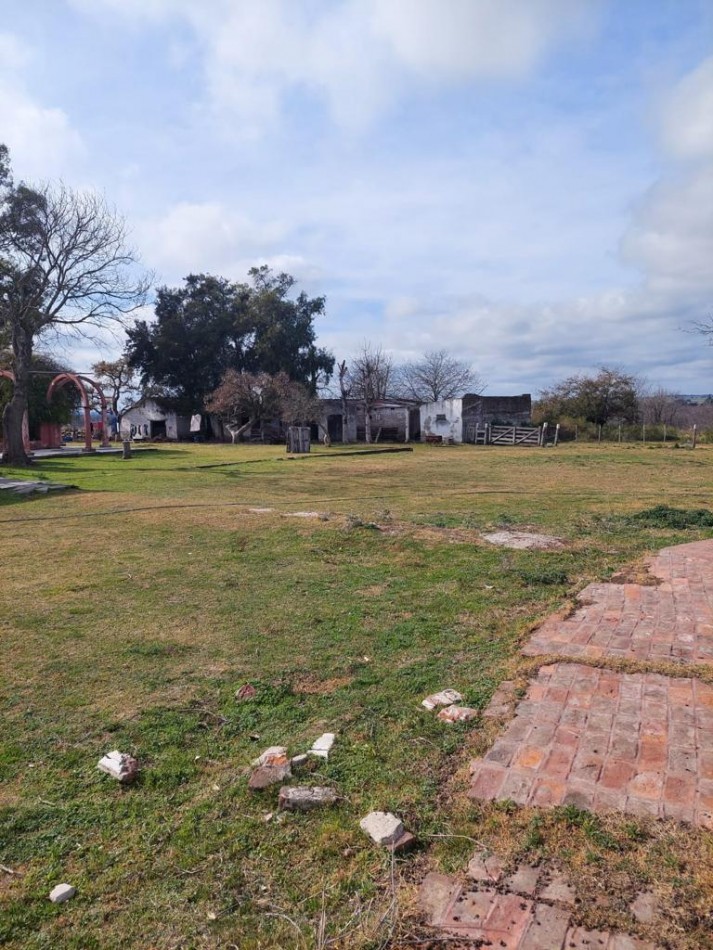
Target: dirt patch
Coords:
[(524, 540), (376, 590), (310, 685)]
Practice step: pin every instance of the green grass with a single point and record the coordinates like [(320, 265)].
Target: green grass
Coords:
[(131, 610)]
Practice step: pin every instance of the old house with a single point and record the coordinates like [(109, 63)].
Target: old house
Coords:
[(392, 420), (147, 419), (450, 418)]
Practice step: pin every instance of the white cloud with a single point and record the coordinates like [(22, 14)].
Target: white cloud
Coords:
[(191, 238), (356, 55), (461, 38), (671, 238), (41, 139), (687, 115)]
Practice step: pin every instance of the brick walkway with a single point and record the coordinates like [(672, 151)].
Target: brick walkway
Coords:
[(670, 622), (638, 743), (604, 741), (511, 919)]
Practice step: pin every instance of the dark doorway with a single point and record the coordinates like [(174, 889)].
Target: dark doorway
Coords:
[(335, 428), (158, 429)]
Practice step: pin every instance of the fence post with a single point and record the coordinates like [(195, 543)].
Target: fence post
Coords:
[(599, 438), (543, 436), (664, 431), (643, 432), (620, 433), (557, 433), (695, 431)]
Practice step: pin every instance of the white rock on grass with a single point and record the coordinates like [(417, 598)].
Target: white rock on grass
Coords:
[(299, 760), (382, 827), (62, 893), (445, 698), (322, 746), (120, 766)]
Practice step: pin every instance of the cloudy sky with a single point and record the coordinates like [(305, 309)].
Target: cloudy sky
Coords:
[(528, 183)]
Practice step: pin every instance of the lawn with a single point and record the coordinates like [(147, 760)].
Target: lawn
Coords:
[(133, 608)]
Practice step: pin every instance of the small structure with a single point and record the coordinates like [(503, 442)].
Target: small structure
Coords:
[(392, 420), (298, 440), (147, 419), (448, 419)]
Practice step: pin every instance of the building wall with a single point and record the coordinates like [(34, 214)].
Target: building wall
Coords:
[(510, 410), (444, 418), (144, 413)]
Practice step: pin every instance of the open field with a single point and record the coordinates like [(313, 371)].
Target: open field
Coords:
[(131, 611)]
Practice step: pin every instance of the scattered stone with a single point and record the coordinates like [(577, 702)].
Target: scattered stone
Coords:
[(266, 775), (644, 907), (445, 698), (62, 893), (403, 843), (485, 867), (247, 691), (267, 817), (558, 890), (382, 827), (120, 765), (523, 540), (323, 745), (260, 511), (297, 761), (275, 755), (304, 514), (457, 714), (304, 798)]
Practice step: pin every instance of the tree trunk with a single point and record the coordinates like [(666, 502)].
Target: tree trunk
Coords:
[(367, 424), (345, 416), (14, 452)]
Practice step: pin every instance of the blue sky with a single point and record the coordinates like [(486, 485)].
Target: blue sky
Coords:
[(528, 183)]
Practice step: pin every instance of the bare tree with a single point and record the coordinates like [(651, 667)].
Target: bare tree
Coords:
[(437, 375), (660, 407), (345, 391), (117, 379), (371, 373), (244, 399), (64, 265)]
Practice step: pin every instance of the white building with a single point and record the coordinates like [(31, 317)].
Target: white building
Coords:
[(146, 419), (449, 418)]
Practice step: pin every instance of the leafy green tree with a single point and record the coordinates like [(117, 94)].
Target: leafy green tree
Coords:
[(211, 325), (609, 396), (64, 402)]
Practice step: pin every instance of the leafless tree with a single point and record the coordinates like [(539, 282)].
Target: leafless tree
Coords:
[(345, 391), (370, 374), (117, 379), (244, 399), (64, 265), (437, 375), (660, 407)]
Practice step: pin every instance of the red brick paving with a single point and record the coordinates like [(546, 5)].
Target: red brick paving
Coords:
[(605, 741), (671, 622), (511, 921)]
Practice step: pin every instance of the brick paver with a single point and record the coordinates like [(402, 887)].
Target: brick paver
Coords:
[(510, 920), (606, 741), (670, 622)]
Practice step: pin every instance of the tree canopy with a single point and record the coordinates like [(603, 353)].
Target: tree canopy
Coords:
[(211, 325), (611, 395), (64, 265), (244, 399), (64, 402), (437, 375)]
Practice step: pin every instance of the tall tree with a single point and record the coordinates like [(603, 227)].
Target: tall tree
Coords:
[(371, 374), (64, 265), (211, 325), (345, 391), (609, 395), (437, 375)]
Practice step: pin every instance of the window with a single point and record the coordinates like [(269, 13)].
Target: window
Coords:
[(441, 417)]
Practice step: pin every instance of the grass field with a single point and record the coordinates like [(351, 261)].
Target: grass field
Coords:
[(131, 611)]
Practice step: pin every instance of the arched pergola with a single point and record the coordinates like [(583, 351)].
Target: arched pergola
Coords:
[(8, 374), (81, 383)]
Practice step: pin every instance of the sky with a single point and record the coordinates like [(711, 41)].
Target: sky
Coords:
[(525, 183)]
